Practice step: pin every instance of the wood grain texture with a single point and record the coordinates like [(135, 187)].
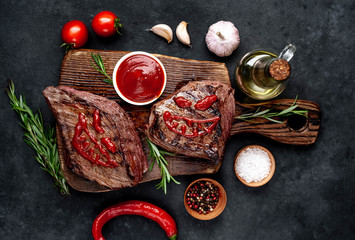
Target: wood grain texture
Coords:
[(281, 132)]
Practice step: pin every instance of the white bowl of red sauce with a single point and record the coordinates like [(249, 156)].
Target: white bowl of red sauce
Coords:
[(139, 78)]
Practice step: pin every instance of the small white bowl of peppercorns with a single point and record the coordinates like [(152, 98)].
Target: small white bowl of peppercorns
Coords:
[(205, 199)]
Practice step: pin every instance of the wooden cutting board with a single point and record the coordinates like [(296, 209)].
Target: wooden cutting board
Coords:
[(77, 72)]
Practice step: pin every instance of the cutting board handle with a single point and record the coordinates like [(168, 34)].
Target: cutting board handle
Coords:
[(295, 130)]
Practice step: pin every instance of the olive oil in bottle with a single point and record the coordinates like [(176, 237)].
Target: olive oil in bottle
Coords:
[(262, 75)]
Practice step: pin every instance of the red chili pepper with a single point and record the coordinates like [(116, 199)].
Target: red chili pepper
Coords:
[(135, 207)]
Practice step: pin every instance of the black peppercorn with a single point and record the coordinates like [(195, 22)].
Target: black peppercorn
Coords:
[(203, 197)]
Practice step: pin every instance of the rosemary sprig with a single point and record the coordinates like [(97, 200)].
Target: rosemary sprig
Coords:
[(269, 114), (42, 140), (158, 156), (101, 68)]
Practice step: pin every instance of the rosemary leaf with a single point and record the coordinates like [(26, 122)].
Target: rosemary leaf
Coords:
[(269, 114), (288, 110), (273, 120), (261, 113), (101, 68), (39, 139), (300, 112), (166, 153), (109, 81), (157, 156)]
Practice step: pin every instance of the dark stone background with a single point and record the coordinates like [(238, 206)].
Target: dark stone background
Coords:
[(311, 195)]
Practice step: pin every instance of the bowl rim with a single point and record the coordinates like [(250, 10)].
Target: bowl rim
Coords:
[(267, 178), (220, 205), (120, 61)]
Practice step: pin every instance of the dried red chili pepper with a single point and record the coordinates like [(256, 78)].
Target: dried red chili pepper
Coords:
[(135, 207)]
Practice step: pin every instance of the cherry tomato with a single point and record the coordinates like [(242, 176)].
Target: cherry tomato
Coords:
[(106, 24), (74, 34)]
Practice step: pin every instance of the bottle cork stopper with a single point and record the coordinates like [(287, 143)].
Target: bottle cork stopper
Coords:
[(280, 69)]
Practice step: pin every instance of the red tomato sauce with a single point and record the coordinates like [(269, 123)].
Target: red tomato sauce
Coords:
[(140, 78), (206, 103), (81, 143), (197, 131), (182, 102)]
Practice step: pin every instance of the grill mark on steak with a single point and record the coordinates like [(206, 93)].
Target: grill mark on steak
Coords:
[(214, 109), (208, 146), (176, 140), (210, 89), (218, 133), (211, 154), (66, 104), (161, 135), (189, 93), (156, 124)]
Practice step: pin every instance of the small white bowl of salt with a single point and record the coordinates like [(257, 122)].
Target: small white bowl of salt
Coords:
[(254, 165)]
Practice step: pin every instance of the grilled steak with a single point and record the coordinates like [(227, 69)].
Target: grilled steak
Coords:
[(98, 136), (195, 120)]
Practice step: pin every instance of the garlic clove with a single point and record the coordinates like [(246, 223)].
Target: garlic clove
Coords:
[(164, 31), (222, 38), (182, 34)]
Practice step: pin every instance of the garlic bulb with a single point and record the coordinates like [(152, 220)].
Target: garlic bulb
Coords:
[(182, 34), (222, 38), (164, 31)]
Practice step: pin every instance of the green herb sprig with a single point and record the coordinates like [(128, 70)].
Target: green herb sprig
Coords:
[(42, 140), (68, 46), (101, 68), (269, 114), (157, 156)]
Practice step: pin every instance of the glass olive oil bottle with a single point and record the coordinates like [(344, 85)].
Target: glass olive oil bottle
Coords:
[(263, 75)]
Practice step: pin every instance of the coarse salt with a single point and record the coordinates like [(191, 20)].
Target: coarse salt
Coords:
[(253, 164)]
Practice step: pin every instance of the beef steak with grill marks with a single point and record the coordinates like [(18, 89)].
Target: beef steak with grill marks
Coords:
[(107, 151), (195, 120)]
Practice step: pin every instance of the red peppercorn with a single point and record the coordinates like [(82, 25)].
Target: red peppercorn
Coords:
[(202, 197)]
